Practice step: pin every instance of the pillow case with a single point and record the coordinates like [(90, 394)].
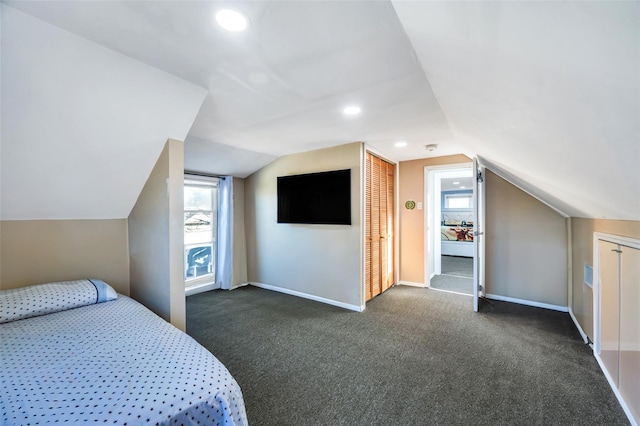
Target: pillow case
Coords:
[(42, 299)]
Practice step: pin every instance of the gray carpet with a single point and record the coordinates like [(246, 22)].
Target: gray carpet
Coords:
[(414, 357), (452, 283), (458, 266)]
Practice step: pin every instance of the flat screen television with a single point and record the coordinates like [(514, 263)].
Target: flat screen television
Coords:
[(315, 198)]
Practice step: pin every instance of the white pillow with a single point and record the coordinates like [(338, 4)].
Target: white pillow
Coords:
[(42, 299)]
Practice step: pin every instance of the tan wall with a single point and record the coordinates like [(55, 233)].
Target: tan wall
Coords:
[(526, 245), (41, 251), (318, 260), (156, 238), (411, 187), (239, 275), (582, 246)]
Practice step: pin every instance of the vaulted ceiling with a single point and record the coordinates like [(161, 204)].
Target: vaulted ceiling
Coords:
[(545, 93)]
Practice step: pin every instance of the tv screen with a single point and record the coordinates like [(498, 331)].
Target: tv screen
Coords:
[(315, 198)]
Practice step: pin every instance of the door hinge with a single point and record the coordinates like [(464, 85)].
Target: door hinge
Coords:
[(479, 177)]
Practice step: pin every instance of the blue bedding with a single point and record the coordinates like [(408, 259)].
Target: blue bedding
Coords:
[(114, 363)]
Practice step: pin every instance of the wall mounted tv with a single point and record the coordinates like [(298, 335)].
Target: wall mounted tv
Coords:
[(315, 198)]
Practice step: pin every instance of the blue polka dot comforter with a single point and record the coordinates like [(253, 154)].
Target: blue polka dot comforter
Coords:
[(111, 363)]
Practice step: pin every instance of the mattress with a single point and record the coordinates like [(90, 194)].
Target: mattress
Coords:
[(114, 362), (456, 233)]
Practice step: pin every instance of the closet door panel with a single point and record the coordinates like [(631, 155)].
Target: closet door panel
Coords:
[(630, 328), (367, 255), (379, 202), (384, 255), (390, 223), (376, 277), (610, 308)]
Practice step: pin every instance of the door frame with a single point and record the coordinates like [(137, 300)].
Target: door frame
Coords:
[(430, 215)]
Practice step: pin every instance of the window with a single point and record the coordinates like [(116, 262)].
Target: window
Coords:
[(200, 230), (458, 201)]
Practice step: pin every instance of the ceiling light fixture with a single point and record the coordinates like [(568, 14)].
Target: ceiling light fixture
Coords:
[(456, 183), (431, 147), (462, 187), (351, 110), (400, 144), (231, 20)]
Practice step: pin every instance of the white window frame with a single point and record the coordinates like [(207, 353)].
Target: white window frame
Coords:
[(202, 282)]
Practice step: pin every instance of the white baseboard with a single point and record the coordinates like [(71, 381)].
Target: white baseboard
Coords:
[(308, 296), (528, 302), (412, 284), (580, 330), (189, 291)]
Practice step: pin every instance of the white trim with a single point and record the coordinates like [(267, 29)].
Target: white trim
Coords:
[(580, 330), (495, 169), (618, 239), (528, 302), (412, 284), (308, 296), (623, 404), (200, 288), (450, 291), (430, 213)]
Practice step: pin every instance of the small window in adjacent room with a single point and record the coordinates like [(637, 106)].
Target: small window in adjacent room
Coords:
[(458, 201), (200, 230)]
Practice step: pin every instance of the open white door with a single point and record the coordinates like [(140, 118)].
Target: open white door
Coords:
[(478, 234)]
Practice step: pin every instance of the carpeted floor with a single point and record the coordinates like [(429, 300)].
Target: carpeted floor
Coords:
[(453, 283), (414, 357), (457, 266), (457, 275)]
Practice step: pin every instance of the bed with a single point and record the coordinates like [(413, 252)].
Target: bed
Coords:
[(456, 240), (78, 352)]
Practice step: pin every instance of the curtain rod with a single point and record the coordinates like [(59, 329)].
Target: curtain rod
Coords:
[(189, 172)]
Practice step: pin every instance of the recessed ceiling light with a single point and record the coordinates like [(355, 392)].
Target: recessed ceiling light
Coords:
[(231, 20), (456, 183), (400, 144), (351, 110), (462, 187)]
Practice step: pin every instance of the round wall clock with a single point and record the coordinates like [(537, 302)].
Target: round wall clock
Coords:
[(410, 205)]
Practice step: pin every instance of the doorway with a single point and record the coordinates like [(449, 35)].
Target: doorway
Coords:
[(450, 229)]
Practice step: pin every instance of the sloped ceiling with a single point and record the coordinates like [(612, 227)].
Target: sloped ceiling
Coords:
[(82, 125), (545, 93)]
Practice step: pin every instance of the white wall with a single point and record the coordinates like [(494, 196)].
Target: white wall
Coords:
[(318, 260), (526, 246), (156, 238), (82, 124)]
